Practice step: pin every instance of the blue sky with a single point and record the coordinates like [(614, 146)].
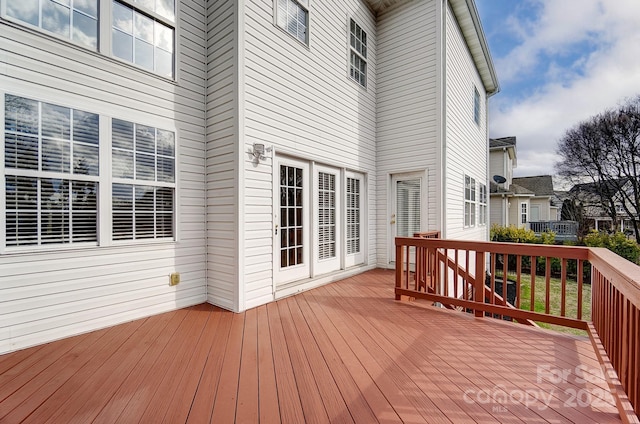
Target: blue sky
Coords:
[(559, 62)]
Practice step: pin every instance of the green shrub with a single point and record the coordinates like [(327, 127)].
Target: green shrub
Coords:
[(512, 234), (617, 243)]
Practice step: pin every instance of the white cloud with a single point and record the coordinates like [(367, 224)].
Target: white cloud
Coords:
[(608, 72)]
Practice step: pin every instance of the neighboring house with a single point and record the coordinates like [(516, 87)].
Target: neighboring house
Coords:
[(253, 149), (542, 205), (598, 215), (509, 203), (517, 200)]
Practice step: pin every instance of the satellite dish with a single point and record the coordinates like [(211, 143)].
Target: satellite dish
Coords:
[(499, 179)]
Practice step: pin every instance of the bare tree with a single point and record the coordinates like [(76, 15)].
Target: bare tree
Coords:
[(605, 151)]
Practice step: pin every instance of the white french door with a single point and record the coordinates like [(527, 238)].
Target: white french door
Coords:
[(406, 208), (292, 227)]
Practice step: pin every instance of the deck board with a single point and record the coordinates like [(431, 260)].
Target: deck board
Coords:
[(346, 352)]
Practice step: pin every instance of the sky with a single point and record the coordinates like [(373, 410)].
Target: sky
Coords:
[(559, 62)]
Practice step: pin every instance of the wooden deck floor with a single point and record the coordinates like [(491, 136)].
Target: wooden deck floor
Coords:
[(345, 352)]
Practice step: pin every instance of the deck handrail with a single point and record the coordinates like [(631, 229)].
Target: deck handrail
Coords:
[(463, 274)]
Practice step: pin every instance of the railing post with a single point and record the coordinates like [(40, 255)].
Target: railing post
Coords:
[(399, 266), (479, 281)]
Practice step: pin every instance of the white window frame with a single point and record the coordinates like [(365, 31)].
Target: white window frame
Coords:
[(356, 55), (524, 213), (477, 108), (470, 202), (136, 183), (105, 28), (104, 180), (278, 14), (5, 15), (482, 204)]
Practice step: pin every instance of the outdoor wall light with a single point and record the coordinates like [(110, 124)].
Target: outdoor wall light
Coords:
[(259, 150)]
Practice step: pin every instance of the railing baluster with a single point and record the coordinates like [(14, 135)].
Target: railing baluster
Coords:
[(533, 283), (547, 281), (563, 294), (518, 279), (579, 265)]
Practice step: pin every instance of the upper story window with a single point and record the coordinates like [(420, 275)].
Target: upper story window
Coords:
[(142, 31), (358, 53), (293, 17), (76, 20), (476, 106), (524, 214), (142, 39), (469, 201)]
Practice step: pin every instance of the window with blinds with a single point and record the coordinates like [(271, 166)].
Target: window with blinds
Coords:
[(353, 216), (143, 161), (408, 207), (51, 173), (326, 215), (293, 17)]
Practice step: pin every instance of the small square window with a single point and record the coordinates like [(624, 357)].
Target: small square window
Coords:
[(293, 17)]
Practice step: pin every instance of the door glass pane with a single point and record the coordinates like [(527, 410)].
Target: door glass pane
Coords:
[(353, 215), (408, 207), (291, 213), (326, 215)]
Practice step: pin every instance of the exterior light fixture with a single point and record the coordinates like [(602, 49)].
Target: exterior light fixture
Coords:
[(259, 150)]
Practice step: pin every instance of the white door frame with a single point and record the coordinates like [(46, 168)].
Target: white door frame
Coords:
[(288, 234), (392, 204)]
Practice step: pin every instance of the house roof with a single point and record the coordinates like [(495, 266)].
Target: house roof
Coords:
[(471, 27), (499, 143), (541, 185), (514, 189)]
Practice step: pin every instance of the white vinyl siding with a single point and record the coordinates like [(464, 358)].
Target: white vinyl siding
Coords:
[(319, 117), (221, 158), (407, 110), (66, 290), (466, 142)]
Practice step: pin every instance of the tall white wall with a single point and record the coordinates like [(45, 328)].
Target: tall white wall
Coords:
[(407, 113), (222, 129), (466, 141), (58, 292), (300, 100)]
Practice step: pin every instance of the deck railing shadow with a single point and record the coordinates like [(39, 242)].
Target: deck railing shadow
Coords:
[(465, 275)]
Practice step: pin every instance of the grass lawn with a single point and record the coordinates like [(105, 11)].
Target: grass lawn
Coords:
[(571, 301)]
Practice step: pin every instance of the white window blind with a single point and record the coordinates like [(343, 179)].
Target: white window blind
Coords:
[(293, 17), (143, 160), (326, 215), (51, 173), (408, 207), (353, 216)]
